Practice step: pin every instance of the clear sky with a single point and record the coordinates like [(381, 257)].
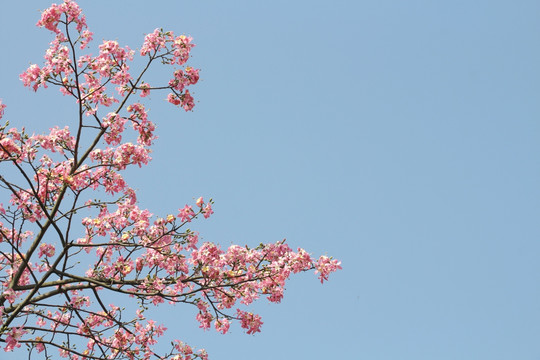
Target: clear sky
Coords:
[(401, 137)]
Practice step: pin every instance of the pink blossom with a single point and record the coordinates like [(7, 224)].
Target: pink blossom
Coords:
[(145, 90), (13, 337), (57, 60), (192, 75), (46, 249), (203, 354), (2, 107), (86, 38), (153, 42), (184, 349), (115, 127), (204, 318), (34, 77), (10, 295), (41, 322), (186, 214), (249, 321), (187, 101), (40, 346), (200, 202), (192, 239), (222, 325), (207, 210), (50, 18), (325, 266), (173, 99), (79, 302), (182, 46)]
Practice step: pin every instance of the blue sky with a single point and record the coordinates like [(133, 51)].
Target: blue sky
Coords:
[(401, 137)]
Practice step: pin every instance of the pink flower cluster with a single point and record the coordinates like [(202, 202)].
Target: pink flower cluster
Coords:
[(52, 16), (185, 78), (47, 250), (58, 140), (185, 352), (115, 126), (34, 77), (249, 321), (13, 337), (175, 49), (110, 66), (2, 107), (325, 266), (58, 61), (141, 124), (185, 100), (206, 208), (9, 148)]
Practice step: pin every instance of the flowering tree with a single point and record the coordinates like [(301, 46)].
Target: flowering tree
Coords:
[(56, 286)]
